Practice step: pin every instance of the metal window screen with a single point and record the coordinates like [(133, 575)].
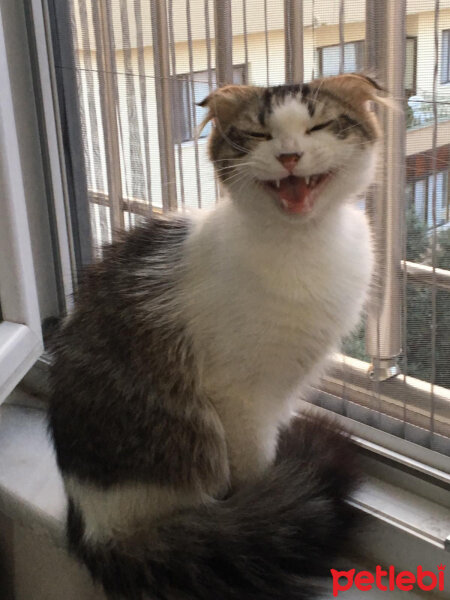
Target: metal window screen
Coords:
[(140, 66)]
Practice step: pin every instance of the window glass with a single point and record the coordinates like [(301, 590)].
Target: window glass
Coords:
[(193, 89), (410, 67), (353, 58), (420, 198), (445, 60)]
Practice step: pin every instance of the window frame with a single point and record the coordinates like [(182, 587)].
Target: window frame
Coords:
[(369, 436), (427, 178), (20, 330), (348, 390), (364, 379)]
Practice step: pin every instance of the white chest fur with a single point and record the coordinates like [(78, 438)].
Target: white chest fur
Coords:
[(267, 305)]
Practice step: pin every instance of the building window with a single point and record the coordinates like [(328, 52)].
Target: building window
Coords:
[(191, 89), (445, 60), (328, 60), (410, 66), (422, 198)]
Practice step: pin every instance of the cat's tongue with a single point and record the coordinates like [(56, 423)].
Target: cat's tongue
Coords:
[(294, 195)]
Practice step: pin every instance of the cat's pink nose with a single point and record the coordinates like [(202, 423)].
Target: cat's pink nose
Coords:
[(289, 160)]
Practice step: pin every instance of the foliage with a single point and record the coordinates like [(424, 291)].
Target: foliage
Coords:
[(443, 252), (419, 311), (417, 241)]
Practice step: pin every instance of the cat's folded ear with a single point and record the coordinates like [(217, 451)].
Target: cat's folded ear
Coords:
[(357, 88), (224, 103)]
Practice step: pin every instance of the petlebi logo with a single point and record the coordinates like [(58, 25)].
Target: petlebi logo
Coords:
[(388, 580)]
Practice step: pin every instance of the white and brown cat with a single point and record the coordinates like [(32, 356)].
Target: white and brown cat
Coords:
[(189, 345)]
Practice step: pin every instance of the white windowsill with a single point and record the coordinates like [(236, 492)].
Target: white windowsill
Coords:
[(31, 490), (19, 349)]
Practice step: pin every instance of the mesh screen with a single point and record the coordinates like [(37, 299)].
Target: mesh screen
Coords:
[(141, 66)]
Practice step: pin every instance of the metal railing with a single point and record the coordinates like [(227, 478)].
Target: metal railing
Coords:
[(385, 57)]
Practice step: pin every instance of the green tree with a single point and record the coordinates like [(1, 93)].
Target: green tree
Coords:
[(443, 314), (417, 241), (419, 311), (443, 251), (417, 359)]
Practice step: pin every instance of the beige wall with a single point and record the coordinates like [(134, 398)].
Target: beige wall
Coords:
[(326, 12), (425, 51)]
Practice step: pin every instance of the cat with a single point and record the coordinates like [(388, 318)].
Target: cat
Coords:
[(190, 343)]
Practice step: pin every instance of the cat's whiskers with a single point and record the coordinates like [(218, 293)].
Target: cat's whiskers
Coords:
[(358, 124), (230, 141), (243, 183), (236, 166), (235, 177), (228, 159)]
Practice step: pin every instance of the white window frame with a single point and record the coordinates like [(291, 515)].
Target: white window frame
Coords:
[(20, 330), (22, 304)]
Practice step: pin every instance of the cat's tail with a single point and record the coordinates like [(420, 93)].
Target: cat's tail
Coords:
[(269, 540)]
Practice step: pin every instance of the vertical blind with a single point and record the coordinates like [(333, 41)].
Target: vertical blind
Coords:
[(138, 67)]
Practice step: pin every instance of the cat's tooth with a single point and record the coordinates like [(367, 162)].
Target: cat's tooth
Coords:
[(307, 178), (284, 203), (277, 183)]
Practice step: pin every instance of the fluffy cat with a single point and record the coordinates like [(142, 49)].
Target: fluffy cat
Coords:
[(189, 345)]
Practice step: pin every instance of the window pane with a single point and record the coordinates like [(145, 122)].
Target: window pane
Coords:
[(410, 66), (438, 200), (350, 58), (420, 199), (445, 62), (330, 61)]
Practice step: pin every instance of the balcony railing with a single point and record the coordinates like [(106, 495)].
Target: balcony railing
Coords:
[(420, 111)]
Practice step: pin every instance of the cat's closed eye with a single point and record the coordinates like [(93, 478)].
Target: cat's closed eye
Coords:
[(258, 135), (320, 126)]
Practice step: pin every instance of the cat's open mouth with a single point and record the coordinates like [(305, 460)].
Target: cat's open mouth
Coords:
[(296, 195)]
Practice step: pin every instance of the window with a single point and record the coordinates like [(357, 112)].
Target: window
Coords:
[(137, 93), (328, 61), (189, 91), (419, 191), (20, 329), (329, 58), (422, 198), (445, 57), (410, 66)]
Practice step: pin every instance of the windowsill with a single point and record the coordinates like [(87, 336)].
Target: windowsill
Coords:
[(29, 479), (31, 492), (31, 489)]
